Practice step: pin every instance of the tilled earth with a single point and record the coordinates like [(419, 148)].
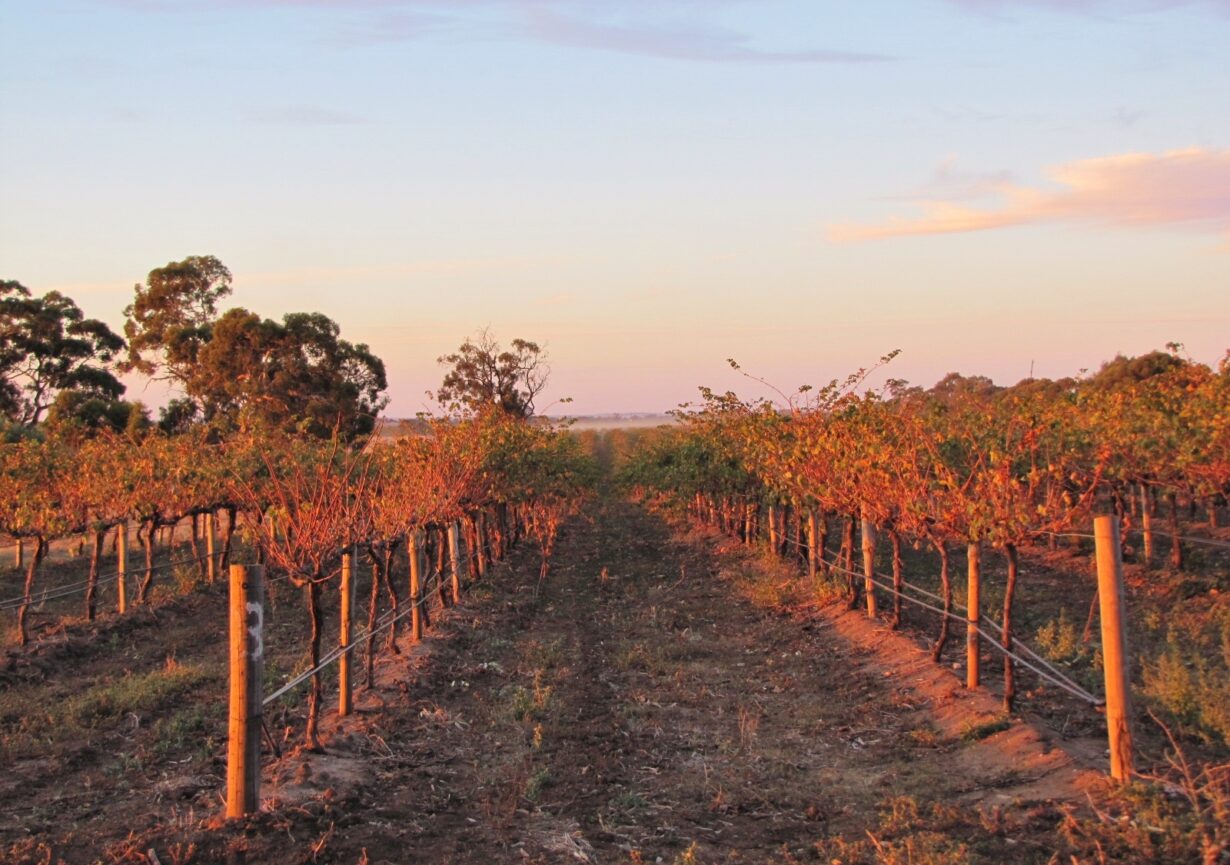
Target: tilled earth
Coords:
[(631, 706)]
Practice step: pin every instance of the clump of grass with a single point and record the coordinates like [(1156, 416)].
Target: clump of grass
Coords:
[(688, 856), (973, 731), (186, 578), (188, 729), (908, 833), (926, 737), (1177, 816), (628, 800), (1191, 684), (1058, 639), (536, 783), (529, 704), (548, 654), (638, 656), (134, 693)]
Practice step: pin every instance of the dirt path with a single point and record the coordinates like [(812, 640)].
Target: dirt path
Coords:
[(632, 708)]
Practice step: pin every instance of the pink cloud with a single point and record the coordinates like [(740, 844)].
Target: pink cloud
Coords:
[(1189, 188)]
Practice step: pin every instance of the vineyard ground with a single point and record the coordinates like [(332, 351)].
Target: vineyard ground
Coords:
[(634, 706)]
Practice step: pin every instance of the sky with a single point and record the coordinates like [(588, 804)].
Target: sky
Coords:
[(644, 187)]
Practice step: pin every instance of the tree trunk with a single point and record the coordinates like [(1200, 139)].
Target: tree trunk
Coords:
[(441, 554), (895, 538), (316, 692), (946, 590), (847, 549), (1176, 548), (1006, 634), (229, 537), (373, 604), (91, 586), (389, 550), (36, 559), (147, 579), (195, 537)]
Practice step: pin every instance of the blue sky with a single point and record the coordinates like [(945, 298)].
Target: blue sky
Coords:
[(646, 187)]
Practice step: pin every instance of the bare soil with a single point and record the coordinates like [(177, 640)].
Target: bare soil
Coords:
[(635, 705)]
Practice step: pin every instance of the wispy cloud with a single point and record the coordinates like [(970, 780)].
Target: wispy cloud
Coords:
[(705, 44), (302, 115), (673, 29), (996, 8), (1188, 188)]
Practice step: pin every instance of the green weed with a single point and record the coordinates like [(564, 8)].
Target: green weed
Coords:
[(135, 693), (974, 732), (536, 783)]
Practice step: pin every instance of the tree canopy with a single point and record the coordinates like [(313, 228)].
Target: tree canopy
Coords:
[(48, 347), (484, 375), (172, 316), (238, 370)]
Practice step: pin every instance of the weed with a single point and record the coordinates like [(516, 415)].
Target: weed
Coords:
[(628, 801), (1058, 639), (186, 578), (973, 732), (638, 656), (926, 737), (135, 693), (1192, 684), (1177, 816), (549, 654), (527, 705), (687, 857), (187, 728), (907, 834), (536, 783), (749, 724)]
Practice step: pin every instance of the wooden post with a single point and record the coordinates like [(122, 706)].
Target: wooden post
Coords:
[(773, 542), (344, 687), (813, 551), (121, 568), (243, 765), (454, 560), (19, 560), (416, 594), (973, 648), (212, 569), (480, 543), (869, 563), (1114, 646)]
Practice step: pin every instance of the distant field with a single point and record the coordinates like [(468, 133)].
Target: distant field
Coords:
[(393, 427), (637, 421)]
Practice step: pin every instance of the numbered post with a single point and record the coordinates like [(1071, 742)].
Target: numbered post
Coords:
[(247, 619), (345, 704), (1114, 645)]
